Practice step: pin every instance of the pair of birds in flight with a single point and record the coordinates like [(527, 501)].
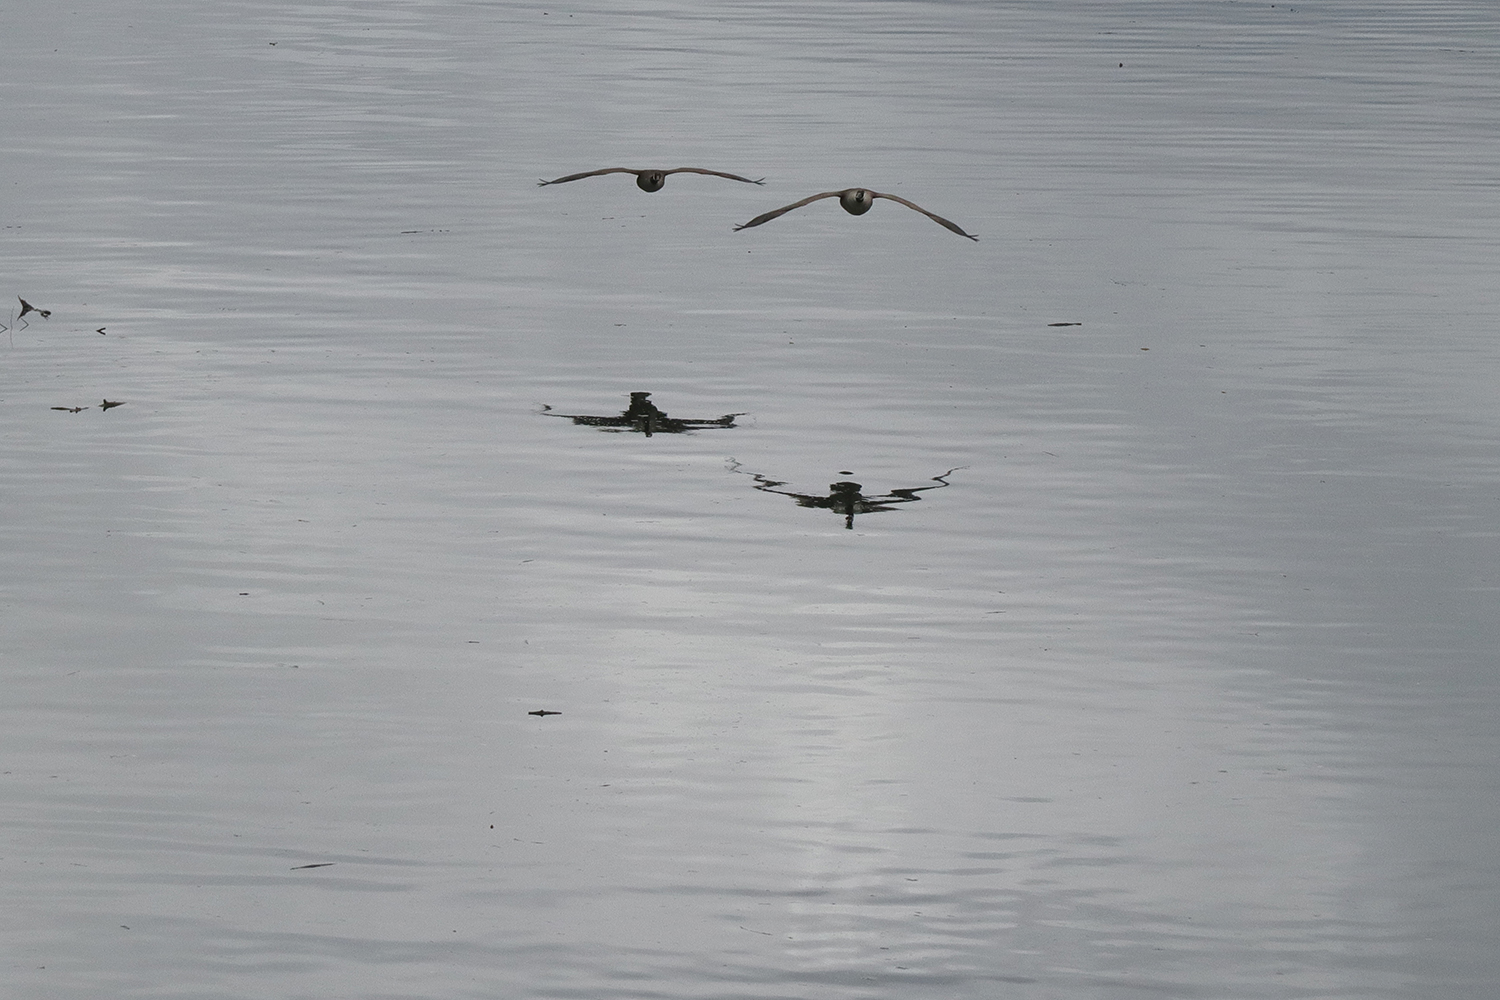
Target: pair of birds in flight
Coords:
[(855, 201)]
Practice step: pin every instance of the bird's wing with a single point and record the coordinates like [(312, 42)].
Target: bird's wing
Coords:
[(935, 218), (591, 173), (782, 211), (712, 173)]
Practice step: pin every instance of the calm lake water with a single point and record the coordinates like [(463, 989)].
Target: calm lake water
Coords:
[(1181, 683)]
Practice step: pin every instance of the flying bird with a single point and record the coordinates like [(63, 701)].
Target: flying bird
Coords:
[(856, 201), (27, 307), (650, 180)]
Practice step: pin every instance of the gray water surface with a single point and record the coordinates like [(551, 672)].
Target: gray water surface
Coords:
[(1183, 685)]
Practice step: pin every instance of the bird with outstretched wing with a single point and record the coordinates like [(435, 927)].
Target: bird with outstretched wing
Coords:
[(650, 180), (856, 201)]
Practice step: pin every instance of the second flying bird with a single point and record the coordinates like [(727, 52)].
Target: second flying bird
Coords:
[(650, 180)]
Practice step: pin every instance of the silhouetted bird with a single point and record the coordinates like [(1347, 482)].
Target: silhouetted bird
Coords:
[(856, 201), (108, 404), (27, 307), (650, 180)]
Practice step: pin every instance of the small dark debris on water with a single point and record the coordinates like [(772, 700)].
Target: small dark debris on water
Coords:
[(1064, 324), (110, 404), (542, 711), (320, 864), (72, 409)]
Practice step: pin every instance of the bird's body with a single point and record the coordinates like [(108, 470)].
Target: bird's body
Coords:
[(650, 180), (856, 201)]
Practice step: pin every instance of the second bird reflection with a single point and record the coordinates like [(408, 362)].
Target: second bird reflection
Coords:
[(644, 417), (845, 497)]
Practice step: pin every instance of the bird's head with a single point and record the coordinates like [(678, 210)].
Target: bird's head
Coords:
[(650, 180), (856, 201)]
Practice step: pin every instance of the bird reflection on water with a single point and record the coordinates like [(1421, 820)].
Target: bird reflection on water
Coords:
[(643, 416), (846, 497)]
